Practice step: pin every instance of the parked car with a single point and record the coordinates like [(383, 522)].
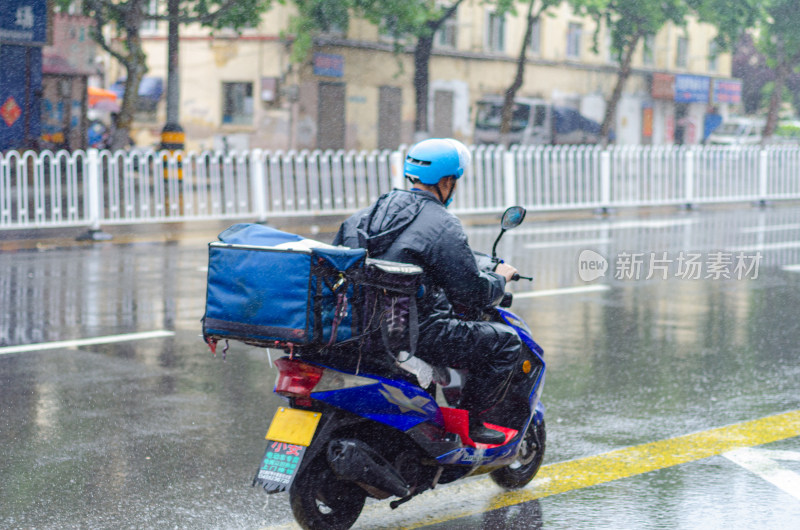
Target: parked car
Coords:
[(534, 121), (737, 131)]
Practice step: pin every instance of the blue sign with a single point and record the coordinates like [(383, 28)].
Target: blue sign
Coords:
[(328, 64), (24, 22), (691, 88), (20, 84), (727, 91)]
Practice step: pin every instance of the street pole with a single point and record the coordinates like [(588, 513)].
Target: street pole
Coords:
[(172, 136)]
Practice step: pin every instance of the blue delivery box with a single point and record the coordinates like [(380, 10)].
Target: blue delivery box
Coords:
[(267, 286)]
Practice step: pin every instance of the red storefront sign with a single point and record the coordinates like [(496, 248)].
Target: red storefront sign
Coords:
[(663, 86)]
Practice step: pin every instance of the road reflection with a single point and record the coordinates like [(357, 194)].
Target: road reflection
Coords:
[(527, 516), (158, 433), (81, 292)]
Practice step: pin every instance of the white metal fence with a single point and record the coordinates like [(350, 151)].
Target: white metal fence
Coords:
[(95, 188)]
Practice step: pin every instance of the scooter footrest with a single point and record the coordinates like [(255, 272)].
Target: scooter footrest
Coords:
[(457, 421)]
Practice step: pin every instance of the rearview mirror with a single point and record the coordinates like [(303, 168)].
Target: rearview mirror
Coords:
[(513, 217)]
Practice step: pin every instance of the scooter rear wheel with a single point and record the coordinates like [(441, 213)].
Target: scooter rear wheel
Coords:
[(319, 500), (529, 460)]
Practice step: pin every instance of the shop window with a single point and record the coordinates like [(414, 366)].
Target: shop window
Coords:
[(237, 103)]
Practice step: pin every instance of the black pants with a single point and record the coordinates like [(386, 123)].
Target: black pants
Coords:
[(489, 351)]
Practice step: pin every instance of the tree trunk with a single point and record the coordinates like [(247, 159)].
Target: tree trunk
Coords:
[(511, 93), (622, 77), (422, 59), (135, 62), (173, 64), (775, 100)]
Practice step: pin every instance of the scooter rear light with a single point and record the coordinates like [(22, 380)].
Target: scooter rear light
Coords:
[(296, 379)]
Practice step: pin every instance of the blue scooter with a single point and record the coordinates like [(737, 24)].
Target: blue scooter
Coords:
[(345, 436)]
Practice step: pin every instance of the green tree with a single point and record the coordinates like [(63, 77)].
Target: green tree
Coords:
[(629, 23), (774, 26), (408, 20), (423, 25), (535, 10), (125, 19)]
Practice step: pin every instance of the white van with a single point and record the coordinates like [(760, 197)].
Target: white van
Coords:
[(737, 131), (534, 121)]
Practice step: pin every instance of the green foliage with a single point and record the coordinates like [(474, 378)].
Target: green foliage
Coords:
[(235, 15), (781, 32), (788, 130), (631, 20), (769, 88), (407, 18), (127, 15), (730, 18), (125, 19), (775, 28), (774, 24)]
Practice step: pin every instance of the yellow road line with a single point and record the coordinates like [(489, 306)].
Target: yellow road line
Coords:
[(639, 459), (636, 460), (552, 479)]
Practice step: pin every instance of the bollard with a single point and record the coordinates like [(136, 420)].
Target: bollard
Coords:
[(173, 139)]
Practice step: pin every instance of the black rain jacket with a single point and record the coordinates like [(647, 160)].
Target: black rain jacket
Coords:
[(415, 227)]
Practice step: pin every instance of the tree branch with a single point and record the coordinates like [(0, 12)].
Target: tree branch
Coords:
[(200, 19), (434, 25), (99, 38)]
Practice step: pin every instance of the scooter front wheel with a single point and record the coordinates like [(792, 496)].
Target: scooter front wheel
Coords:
[(320, 500), (529, 459)]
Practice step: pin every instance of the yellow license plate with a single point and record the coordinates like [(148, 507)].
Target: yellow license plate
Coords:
[(293, 426)]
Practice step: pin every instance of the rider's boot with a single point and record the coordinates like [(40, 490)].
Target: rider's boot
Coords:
[(482, 434)]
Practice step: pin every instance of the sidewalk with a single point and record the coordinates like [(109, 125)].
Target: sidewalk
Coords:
[(200, 231)]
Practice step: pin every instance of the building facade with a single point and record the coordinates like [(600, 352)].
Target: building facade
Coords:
[(25, 27), (239, 90)]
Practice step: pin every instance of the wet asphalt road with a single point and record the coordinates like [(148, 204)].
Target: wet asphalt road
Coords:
[(155, 432)]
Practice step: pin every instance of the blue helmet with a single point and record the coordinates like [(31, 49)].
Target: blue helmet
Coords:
[(431, 160)]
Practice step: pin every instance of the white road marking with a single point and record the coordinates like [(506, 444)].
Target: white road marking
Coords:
[(767, 246), (569, 243), (564, 290), (769, 228), (587, 227), (85, 342), (763, 463), (791, 268)]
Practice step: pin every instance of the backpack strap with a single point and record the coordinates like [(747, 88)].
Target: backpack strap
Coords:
[(413, 324), (413, 328)]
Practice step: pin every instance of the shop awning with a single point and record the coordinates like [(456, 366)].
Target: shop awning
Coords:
[(101, 99)]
